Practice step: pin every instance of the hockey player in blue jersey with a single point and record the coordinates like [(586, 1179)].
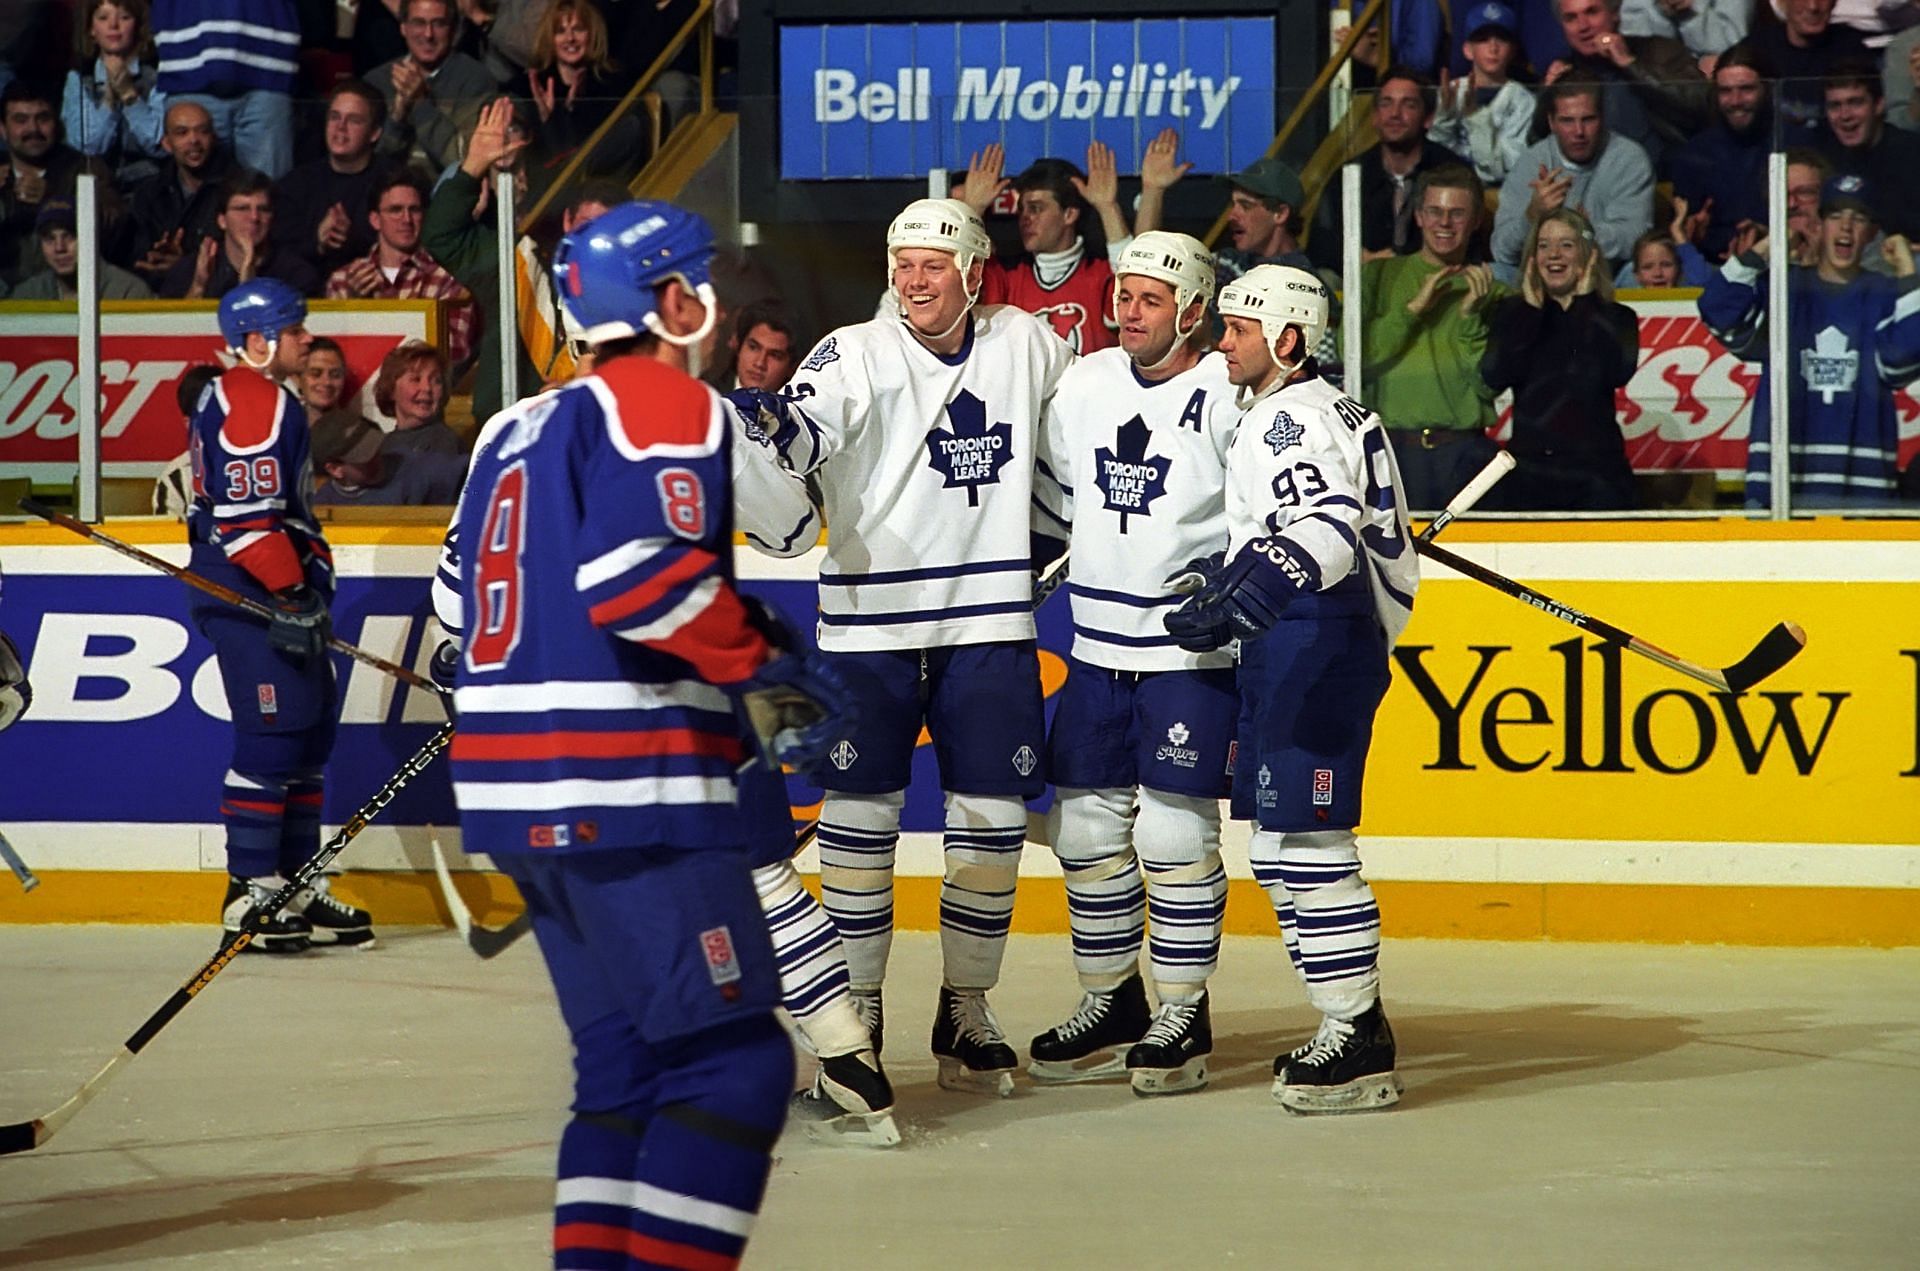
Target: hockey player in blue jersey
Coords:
[(1143, 728), (1855, 337), (1316, 584), (252, 529), (605, 655), (922, 430)]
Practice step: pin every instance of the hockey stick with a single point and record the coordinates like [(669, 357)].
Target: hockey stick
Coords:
[(219, 592), (19, 867), (1776, 648), (490, 942), (1471, 493), (24, 1136)]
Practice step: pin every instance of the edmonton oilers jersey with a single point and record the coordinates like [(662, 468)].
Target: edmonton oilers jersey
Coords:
[(251, 523)]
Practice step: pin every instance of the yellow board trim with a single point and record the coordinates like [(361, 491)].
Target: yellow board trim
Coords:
[(1600, 912)]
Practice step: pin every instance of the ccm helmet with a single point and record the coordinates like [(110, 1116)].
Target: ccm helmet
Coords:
[(1179, 260), (266, 305), (1278, 297), (610, 268)]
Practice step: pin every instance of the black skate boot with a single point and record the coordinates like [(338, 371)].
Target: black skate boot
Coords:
[(973, 1052), (851, 1102), (285, 932), (336, 924), (1172, 1057), (1092, 1042), (1348, 1067), (873, 1014)]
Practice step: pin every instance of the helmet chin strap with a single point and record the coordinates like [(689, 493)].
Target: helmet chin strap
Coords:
[(273, 346), (1180, 339), (973, 298), (705, 294)]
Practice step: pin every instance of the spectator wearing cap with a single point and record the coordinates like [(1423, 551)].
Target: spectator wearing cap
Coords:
[(238, 59), (411, 389), (399, 268), (1856, 338), (1263, 220), (1856, 140), (1723, 171), (322, 203), (1423, 332), (1799, 52), (434, 94), (110, 107), (347, 449), (38, 168), (1704, 26), (1579, 164), (1487, 114), (242, 250), (1654, 92), (60, 247), (1403, 108)]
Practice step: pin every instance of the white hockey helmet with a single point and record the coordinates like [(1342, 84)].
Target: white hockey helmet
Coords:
[(941, 225), (1278, 297), (1179, 260)]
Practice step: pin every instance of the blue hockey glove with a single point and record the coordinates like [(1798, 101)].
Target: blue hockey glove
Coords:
[(765, 414), (799, 707), (1242, 600), (300, 623), (1195, 574)]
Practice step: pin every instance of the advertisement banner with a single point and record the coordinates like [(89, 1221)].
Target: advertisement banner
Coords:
[(887, 101), (145, 349)]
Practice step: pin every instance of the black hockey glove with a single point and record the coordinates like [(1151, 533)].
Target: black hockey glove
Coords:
[(445, 667), (1241, 600), (799, 707), (300, 623)]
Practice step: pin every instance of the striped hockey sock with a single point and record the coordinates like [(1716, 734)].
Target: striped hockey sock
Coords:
[(1264, 852), (983, 840), (811, 961), (858, 835), (1179, 843), (254, 810), (1106, 901), (1339, 922)]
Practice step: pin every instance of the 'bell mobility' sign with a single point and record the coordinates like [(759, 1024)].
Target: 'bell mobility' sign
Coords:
[(872, 101)]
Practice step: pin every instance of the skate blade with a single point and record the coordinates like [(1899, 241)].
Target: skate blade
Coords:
[(856, 1130), (1100, 1066), (1186, 1079), (281, 945), (1367, 1094), (346, 940), (955, 1075)]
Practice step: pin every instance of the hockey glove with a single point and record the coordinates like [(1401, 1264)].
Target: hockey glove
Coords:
[(1240, 601), (764, 414), (16, 695), (300, 623), (445, 667), (1195, 574), (799, 707)]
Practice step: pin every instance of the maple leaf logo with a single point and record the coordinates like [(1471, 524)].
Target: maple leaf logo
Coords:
[(971, 454), (1129, 477), (1831, 366), (1284, 434), (1068, 320), (826, 353)]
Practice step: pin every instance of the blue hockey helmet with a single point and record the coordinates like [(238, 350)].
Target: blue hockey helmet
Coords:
[(266, 305), (610, 267)]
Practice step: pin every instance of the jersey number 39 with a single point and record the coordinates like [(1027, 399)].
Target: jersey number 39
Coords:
[(497, 574)]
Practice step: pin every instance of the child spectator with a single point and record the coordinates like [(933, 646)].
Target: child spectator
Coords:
[(323, 380), (411, 389), (348, 451), (110, 109), (1667, 257), (1486, 116)]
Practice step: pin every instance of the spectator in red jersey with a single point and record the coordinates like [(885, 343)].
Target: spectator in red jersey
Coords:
[(399, 268)]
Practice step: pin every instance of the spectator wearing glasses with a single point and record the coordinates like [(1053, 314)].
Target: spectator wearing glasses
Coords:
[(397, 267), (434, 94)]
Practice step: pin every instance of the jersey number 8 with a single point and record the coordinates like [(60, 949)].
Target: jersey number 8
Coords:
[(497, 575)]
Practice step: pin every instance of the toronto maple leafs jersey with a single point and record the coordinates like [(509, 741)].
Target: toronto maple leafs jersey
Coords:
[(1311, 474), (925, 464), (251, 523), (1079, 307), (600, 622), (771, 505), (1852, 346), (1143, 468)]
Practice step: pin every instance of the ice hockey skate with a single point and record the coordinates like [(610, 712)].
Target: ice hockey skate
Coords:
[(873, 1014), (1348, 1067), (1172, 1057), (334, 923), (284, 932), (850, 1103), (1091, 1044), (973, 1052)]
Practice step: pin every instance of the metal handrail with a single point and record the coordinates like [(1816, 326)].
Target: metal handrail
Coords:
[(1375, 10), (700, 22)]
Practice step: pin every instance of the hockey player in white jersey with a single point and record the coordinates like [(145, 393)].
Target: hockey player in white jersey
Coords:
[(922, 430), (1316, 585), (1143, 730)]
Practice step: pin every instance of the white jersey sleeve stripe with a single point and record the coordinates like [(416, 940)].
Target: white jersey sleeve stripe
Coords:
[(628, 555)]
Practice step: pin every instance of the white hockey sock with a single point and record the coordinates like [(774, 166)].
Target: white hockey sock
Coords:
[(811, 962), (1339, 921), (858, 834), (1264, 855), (1179, 843), (1106, 901), (984, 836)]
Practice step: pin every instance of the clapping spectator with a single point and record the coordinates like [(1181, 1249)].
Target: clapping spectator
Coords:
[(1486, 114), (1653, 91), (349, 451), (179, 206), (1723, 170), (1579, 165), (399, 268), (242, 249), (238, 59), (1403, 108), (574, 89), (1799, 52), (1706, 27), (1857, 140), (1564, 346), (322, 202), (411, 389), (1856, 337), (60, 248), (38, 169), (110, 109), (433, 94), (323, 379)]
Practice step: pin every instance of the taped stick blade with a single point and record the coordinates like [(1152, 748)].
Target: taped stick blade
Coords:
[(1776, 648)]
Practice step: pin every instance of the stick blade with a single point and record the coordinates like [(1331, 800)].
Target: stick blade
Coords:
[(1776, 648), (21, 1136), (491, 944)]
